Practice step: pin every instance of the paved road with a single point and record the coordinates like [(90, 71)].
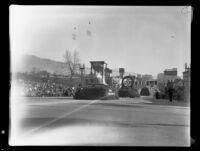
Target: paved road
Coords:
[(126, 122)]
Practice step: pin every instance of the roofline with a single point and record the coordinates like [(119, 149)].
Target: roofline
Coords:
[(98, 62)]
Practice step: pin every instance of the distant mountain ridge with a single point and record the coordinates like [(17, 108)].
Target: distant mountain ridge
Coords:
[(28, 62)]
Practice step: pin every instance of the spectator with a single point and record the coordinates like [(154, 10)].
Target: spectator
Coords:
[(48, 88), (170, 90), (157, 94)]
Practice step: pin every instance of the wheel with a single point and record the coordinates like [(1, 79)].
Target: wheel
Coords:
[(127, 81)]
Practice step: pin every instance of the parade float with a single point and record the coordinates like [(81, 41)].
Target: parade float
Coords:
[(98, 85), (128, 89)]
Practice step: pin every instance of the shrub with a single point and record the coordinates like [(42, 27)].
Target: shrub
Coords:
[(145, 92), (161, 87), (133, 93), (90, 93), (128, 92), (123, 92), (161, 95), (178, 93)]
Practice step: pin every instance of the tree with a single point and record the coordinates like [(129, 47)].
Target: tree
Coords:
[(72, 61), (178, 89)]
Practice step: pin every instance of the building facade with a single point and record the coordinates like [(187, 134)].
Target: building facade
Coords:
[(186, 82), (167, 75)]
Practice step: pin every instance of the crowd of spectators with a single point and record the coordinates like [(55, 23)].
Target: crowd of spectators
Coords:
[(48, 88)]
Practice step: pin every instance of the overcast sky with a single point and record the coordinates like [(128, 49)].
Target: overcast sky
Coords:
[(141, 39)]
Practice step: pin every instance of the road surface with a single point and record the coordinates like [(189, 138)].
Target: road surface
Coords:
[(123, 122)]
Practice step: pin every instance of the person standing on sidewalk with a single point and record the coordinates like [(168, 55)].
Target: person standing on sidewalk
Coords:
[(170, 90), (157, 94)]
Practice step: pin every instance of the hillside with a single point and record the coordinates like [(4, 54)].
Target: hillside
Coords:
[(26, 63)]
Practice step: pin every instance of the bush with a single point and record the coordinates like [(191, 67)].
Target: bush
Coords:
[(161, 95), (90, 93), (123, 92), (178, 93), (128, 92), (145, 92), (161, 87)]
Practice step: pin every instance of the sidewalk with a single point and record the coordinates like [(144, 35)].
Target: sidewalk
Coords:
[(166, 102), (148, 100), (66, 100)]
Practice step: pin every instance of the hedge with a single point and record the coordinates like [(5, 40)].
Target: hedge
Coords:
[(90, 93), (145, 92), (178, 94), (128, 92)]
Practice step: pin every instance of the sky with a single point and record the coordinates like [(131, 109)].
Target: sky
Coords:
[(141, 39)]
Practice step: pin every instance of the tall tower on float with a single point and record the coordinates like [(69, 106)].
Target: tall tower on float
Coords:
[(98, 70)]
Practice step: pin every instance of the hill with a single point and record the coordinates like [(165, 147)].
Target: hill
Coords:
[(26, 63)]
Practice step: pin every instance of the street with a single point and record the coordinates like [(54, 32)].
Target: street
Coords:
[(123, 122)]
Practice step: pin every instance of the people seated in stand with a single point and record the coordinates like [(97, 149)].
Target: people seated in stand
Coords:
[(47, 89)]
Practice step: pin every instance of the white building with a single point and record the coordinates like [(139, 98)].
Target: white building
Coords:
[(168, 74)]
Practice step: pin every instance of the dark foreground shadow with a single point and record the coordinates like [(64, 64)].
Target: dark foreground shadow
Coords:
[(41, 124)]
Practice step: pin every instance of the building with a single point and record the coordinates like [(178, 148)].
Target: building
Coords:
[(147, 77), (171, 72), (167, 75), (186, 82), (146, 80), (160, 78)]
